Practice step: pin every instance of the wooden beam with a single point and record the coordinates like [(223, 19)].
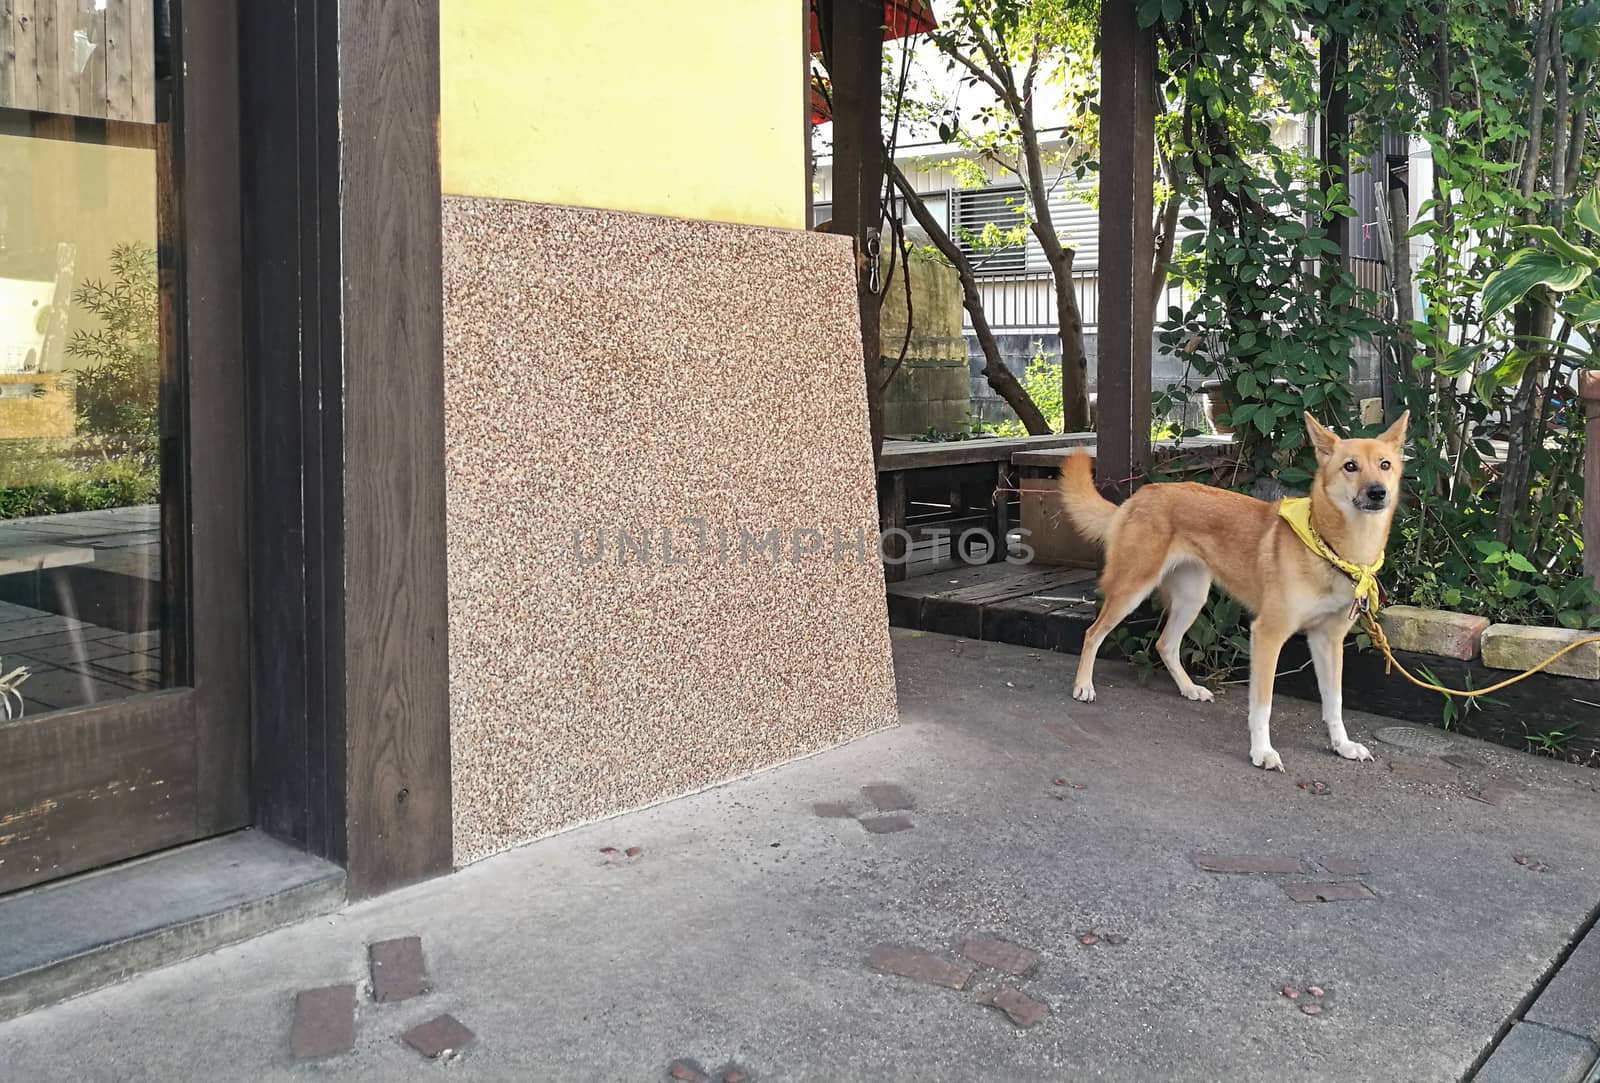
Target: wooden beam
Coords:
[(344, 346), (853, 42), (396, 658), (1589, 398), (1127, 247)]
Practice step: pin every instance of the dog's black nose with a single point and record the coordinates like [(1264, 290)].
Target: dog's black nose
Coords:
[(1377, 494)]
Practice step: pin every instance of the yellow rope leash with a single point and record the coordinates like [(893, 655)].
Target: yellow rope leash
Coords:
[(1297, 513), (1375, 630)]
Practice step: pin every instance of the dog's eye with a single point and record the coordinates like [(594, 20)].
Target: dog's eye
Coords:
[(1384, 465), (1350, 467)]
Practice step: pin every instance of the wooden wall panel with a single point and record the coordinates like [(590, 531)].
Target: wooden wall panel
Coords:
[(41, 40)]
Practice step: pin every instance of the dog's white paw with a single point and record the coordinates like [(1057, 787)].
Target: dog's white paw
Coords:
[(1352, 750), (1083, 693), (1198, 694), (1268, 760)]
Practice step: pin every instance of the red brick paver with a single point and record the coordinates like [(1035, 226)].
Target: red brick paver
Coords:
[(997, 954), (324, 1022), (919, 966)]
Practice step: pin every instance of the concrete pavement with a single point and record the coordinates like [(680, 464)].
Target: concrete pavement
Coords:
[(1097, 836)]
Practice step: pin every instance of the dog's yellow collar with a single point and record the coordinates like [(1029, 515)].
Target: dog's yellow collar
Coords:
[(1297, 513)]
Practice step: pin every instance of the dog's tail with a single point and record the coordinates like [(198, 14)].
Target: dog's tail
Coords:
[(1088, 511)]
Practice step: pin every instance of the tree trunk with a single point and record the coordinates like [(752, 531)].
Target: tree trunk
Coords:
[(1069, 319), (1167, 232), (994, 369)]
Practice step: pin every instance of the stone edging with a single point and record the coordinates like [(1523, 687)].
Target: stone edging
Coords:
[(1512, 647)]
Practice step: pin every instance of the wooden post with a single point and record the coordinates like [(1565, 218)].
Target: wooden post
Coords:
[(1589, 394), (853, 42), (1127, 246)]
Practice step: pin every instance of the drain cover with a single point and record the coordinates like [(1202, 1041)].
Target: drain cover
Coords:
[(1418, 740)]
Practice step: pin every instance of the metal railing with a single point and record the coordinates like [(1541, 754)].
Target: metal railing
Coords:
[(1027, 302)]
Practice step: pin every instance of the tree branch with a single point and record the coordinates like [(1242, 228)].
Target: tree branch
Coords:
[(994, 370)]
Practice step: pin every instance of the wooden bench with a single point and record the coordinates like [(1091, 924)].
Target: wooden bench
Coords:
[(928, 491)]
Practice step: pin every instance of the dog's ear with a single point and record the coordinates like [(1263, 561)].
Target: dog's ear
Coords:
[(1395, 435), (1322, 440)]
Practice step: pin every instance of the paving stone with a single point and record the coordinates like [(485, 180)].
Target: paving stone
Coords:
[(324, 1022), (1342, 892), (832, 810), (884, 825), (1022, 1008), (997, 954), (1344, 866), (919, 966), (437, 1035), (397, 969), (887, 797), (1571, 1000), (1252, 863), (1531, 1053), (1433, 631), (1514, 646), (1430, 773)]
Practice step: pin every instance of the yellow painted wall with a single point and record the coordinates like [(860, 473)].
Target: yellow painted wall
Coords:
[(688, 108)]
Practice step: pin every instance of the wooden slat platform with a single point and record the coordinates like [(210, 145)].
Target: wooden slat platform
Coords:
[(920, 455)]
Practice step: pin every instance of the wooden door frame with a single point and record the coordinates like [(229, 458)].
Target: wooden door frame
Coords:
[(344, 333), (93, 785)]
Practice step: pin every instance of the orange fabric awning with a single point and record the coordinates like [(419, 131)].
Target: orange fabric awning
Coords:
[(901, 18)]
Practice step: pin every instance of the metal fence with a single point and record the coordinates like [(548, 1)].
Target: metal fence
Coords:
[(1027, 302)]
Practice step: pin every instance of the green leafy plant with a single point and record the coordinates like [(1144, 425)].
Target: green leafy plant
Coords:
[(116, 396)]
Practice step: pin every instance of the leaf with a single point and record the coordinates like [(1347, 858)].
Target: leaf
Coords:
[(1570, 619), (1588, 211), (1458, 359), (1582, 310), (1520, 563), (1577, 253), (1526, 269), (1506, 374)]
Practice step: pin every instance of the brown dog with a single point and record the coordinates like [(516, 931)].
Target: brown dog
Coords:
[(1176, 539)]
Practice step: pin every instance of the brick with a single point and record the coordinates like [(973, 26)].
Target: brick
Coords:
[(1513, 646), (1343, 892), (884, 825), (397, 969), (438, 1035), (324, 1022), (1023, 1010), (1344, 866), (1251, 863), (1431, 773), (997, 954), (1433, 631), (919, 966), (887, 797), (1533, 1052)]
